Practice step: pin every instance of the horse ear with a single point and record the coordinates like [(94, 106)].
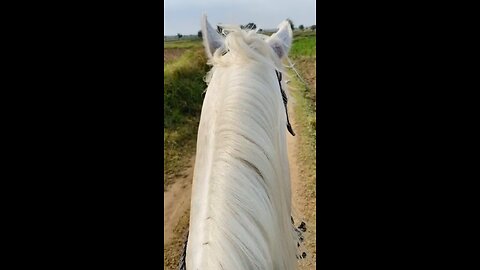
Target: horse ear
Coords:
[(212, 40), (281, 41)]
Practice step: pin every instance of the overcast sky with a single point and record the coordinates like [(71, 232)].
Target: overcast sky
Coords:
[(183, 16)]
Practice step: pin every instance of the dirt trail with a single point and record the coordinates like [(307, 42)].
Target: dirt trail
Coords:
[(177, 204), (299, 203), (176, 201)]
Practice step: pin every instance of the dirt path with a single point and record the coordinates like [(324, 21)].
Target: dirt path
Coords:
[(176, 207), (177, 204), (300, 203), (176, 201)]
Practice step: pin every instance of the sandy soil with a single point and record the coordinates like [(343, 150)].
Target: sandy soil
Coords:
[(176, 202)]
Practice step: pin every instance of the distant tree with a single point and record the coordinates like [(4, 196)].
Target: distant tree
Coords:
[(260, 30), (291, 24), (313, 27), (251, 26), (199, 34), (301, 27), (179, 35)]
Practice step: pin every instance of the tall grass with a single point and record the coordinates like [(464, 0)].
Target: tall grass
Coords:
[(185, 44), (183, 87)]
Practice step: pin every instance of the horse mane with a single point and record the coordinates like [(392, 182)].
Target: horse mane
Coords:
[(241, 195)]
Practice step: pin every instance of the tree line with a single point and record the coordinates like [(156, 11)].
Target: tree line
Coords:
[(253, 26)]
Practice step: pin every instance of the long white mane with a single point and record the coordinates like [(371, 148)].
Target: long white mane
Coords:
[(241, 196)]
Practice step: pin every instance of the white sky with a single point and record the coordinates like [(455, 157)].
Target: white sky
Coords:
[(183, 16)]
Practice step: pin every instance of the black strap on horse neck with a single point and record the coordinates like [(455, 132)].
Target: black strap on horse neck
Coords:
[(285, 100)]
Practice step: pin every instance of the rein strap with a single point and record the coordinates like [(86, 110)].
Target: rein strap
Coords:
[(285, 100)]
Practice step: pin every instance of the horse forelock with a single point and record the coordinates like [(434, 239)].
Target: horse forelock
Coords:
[(242, 45)]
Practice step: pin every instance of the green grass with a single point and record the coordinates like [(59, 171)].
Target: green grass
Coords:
[(183, 86), (304, 44)]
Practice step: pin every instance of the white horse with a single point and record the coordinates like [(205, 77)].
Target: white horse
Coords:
[(240, 216)]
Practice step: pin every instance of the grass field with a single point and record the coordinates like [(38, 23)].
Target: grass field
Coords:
[(183, 87), (304, 44)]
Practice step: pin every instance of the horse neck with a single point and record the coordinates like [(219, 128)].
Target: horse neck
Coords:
[(241, 204)]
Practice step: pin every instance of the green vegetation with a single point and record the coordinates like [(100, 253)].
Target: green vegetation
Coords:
[(183, 87), (304, 44)]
